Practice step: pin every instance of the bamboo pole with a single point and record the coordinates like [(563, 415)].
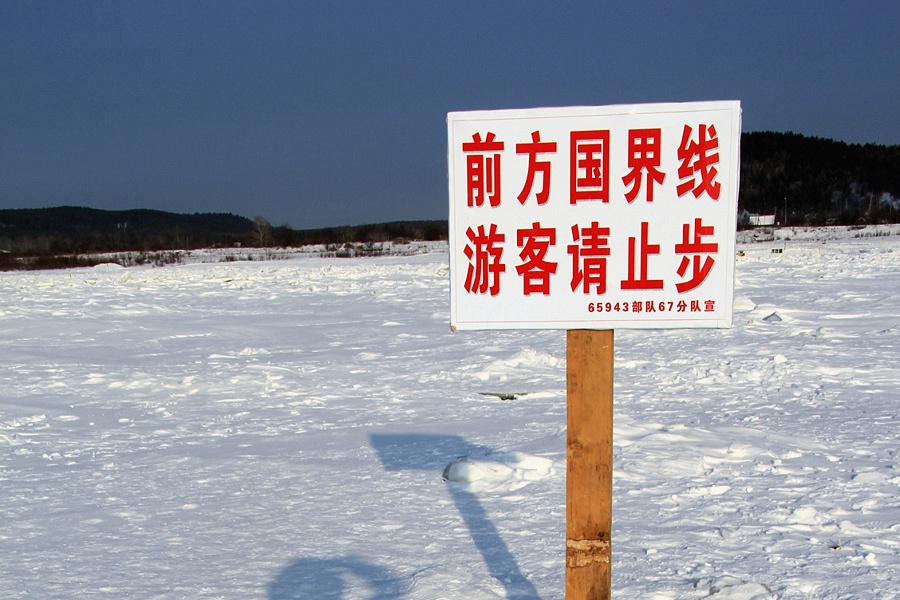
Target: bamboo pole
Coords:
[(589, 459)]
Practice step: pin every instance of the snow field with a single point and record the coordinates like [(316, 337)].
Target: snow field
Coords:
[(310, 428)]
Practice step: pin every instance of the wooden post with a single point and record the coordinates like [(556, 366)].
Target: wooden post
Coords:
[(589, 460)]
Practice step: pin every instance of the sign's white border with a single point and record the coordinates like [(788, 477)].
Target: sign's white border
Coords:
[(563, 309)]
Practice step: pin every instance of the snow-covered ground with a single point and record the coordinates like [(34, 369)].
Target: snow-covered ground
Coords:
[(280, 429)]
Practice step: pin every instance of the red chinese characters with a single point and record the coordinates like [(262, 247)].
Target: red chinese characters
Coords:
[(653, 252), (589, 165), (699, 158), (693, 244), (532, 149), (644, 157), (483, 169), (484, 251), (535, 269), (638, 259), (589, 252)]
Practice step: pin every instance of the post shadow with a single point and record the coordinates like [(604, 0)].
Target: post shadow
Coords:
[(326, 579), (425, 452)]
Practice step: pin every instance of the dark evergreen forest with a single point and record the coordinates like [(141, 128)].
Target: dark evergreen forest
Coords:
[(814, 181)]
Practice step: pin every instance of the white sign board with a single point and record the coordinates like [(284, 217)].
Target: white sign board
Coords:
[(602, 217)]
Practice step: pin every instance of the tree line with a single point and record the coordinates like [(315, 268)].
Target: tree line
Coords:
[(79, 230), (66, 236), (802, 180)]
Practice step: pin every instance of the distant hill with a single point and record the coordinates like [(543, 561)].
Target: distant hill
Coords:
[(72, 229), (27, 235)]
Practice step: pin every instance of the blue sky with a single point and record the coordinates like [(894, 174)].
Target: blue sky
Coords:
[(329, 113)]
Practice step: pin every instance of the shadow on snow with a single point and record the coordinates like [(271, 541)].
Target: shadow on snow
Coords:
[(400, 452), (328, 579), (331, 578)]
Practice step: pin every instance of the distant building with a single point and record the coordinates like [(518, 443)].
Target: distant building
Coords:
[(761, 220)]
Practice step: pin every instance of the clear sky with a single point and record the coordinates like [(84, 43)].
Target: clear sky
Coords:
[(329, 113)]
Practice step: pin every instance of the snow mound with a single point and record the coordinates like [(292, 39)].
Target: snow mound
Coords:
[(743, 304), (507, 471), (524, 363), (731, 588)]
